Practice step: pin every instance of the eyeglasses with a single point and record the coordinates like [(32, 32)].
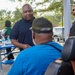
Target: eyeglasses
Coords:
[(73, 9)]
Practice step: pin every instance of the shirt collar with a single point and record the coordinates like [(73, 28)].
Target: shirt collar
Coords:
[(24, 20), (27, 20)]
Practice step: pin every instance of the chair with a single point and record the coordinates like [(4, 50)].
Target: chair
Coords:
[(6, 55), (9, 62), (65, 65)]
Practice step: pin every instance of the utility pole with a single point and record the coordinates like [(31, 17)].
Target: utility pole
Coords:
[(66, 18)]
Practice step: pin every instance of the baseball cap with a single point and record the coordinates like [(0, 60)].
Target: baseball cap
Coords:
[(42, 25)]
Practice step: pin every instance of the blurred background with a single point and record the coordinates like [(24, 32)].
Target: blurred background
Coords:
[(51, 9)]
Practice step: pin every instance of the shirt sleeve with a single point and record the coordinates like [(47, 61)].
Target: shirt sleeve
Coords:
[(5, 31), (16, 68), (14, 32)]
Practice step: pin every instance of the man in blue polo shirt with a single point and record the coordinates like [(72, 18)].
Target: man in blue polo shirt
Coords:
[(35, 60), (21, 36)]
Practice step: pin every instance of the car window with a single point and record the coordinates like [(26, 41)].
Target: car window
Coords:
[(58, 29)]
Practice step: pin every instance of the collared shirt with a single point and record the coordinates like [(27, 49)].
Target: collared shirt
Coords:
[(21, 32)]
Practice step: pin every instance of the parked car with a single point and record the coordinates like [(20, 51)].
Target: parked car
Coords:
[(58, 32)]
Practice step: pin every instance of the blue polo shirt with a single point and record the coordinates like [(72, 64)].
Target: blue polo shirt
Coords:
[(21, 32), (35, 60)]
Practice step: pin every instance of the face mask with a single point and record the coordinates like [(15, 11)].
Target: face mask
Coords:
[(34, 42)]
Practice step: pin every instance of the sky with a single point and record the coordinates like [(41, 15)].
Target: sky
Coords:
[(8, 5)]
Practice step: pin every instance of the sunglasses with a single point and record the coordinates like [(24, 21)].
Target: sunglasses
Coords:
[(73, 9)]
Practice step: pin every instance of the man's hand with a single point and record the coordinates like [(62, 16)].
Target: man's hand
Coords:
[(26, 46)]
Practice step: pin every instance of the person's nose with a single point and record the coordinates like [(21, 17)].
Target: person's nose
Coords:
[(28, 12)]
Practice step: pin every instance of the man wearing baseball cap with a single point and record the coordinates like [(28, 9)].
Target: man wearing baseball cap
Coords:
[(35, 60)]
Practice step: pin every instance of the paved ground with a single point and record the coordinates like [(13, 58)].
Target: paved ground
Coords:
[(5, 68)]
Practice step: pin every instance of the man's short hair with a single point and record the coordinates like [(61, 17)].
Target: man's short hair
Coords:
[(42, 25)]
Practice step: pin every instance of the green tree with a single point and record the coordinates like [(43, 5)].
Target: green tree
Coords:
[(43, 8), (16, 15)]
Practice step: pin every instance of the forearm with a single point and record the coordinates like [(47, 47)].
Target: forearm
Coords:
[(20, 45)]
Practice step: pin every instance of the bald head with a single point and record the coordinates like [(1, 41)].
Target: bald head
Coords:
[(27, 5)]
